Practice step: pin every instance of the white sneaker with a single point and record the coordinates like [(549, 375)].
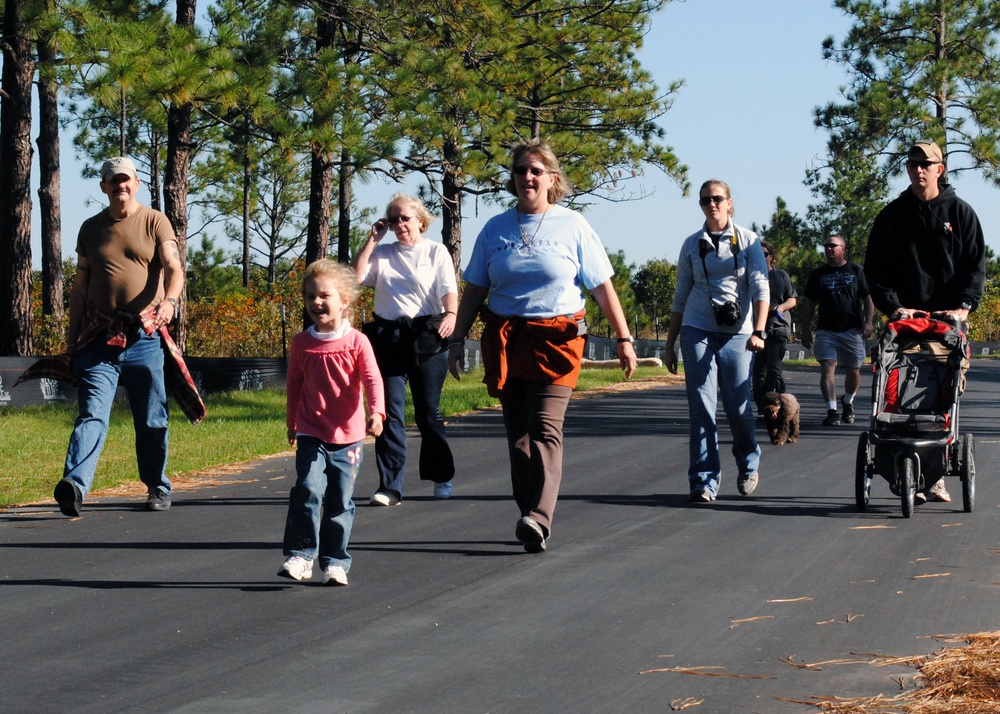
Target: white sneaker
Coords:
[(381, 498), (334, 575), (938, 492), (296, 568), (442, 490)]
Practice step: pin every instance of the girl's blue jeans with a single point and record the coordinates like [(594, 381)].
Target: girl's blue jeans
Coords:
[(320, 505)]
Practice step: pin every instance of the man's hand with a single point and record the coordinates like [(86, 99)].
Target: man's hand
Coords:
[(164, 314), (960, 315), (456, 359), (906, 313)]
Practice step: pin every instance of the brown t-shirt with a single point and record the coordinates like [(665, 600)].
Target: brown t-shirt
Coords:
[(125, 270)]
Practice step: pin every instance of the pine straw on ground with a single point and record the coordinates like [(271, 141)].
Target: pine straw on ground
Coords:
[(956, 679)]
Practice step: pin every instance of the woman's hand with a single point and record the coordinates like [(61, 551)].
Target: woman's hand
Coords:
[(374, 425), (627, 358), (447, 325), (671, 358), (378, 230)]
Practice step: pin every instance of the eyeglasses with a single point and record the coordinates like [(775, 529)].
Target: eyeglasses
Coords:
[(913, 164), (707, 200), (399, 219), (831, 246), (524, 170)]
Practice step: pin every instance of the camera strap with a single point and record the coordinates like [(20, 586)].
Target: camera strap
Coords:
[(734, 244)]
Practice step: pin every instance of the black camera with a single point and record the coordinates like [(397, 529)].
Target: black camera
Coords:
[(728, 313)]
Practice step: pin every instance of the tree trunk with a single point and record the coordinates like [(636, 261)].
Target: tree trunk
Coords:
[(15, 185), (48, 189), (247, 187), (175, 189), (155, 185), (452, 184), (344, 199), (321, 169)]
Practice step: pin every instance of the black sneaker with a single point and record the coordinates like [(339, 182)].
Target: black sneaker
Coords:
[(832, 418), (69, 498), (848, 416), (158, 500)]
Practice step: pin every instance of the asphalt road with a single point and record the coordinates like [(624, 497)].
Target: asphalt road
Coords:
[(127, 611)]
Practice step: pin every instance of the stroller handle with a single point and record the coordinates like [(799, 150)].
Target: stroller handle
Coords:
[(939, 316)]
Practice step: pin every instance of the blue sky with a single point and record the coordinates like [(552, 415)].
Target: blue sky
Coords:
[(753, 73)]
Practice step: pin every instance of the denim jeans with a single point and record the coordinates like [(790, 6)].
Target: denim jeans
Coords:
[(713, 362), (99, 369), (426, 378), (320, 508)]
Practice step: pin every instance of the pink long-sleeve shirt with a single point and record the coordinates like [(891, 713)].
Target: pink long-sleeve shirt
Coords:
[(325, 381)]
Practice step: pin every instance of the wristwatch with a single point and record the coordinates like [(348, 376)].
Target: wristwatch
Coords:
[(762, 334), (966, 305), (172, 301), (629, 339)]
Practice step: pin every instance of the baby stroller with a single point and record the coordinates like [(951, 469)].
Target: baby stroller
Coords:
[(913, 439)]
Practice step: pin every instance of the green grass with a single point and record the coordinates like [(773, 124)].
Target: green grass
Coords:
[(240, 426)]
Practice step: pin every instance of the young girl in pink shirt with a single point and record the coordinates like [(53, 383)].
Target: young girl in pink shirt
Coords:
[(329, 365)]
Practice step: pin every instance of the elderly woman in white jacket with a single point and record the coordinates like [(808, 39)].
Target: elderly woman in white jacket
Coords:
[(720, 313), (416, 298)]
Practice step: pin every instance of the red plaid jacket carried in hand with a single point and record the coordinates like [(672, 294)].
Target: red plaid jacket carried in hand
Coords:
[(113, 328)]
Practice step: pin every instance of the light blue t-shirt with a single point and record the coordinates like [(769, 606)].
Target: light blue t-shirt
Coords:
[(543, 274)]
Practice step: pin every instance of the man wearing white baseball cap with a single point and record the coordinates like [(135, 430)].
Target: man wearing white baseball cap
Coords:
[(129, 278)]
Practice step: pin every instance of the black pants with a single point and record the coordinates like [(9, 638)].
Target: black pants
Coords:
[(767, 376)]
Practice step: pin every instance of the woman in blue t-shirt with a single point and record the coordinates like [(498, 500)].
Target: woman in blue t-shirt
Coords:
[(533, 263)]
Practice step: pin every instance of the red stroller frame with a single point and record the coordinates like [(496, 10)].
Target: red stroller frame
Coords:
[(913, 440)]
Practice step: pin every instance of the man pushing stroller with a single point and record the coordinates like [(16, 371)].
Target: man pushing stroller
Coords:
[(926, 253)]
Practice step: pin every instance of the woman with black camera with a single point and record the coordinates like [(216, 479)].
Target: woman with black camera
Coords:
[(720, 312)]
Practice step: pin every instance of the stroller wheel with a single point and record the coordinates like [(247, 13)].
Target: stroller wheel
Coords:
[(968, 472), (907, 480), (862, 475)]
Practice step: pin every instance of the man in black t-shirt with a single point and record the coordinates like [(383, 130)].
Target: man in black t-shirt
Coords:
[(840, 291)]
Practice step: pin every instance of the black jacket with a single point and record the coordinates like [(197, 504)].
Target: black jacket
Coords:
[(926, 255)]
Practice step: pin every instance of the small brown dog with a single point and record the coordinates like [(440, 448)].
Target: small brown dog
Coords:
[(781, 415)]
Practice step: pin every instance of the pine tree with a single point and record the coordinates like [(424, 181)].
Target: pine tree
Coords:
[(15, 184), (918, 69)]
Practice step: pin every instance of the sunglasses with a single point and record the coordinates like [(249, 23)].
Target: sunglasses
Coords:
[(921, 164), (831, 246), (524, 170), (398, 219), (708, 200)]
